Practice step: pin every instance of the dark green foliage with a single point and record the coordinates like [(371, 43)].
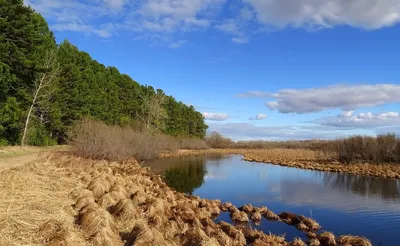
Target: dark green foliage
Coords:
[(84, 88)]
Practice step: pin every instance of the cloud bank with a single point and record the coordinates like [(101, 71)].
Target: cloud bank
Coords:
[(362, 120), (216, 116), (318, 99), (158, 19)]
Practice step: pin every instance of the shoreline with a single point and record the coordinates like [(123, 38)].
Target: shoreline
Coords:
[(303, 159), (126, 204)]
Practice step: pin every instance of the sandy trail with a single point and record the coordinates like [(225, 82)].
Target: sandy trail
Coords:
[(11, 157), (15, 161)]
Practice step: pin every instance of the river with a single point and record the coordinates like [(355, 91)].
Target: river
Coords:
[(341, 203)]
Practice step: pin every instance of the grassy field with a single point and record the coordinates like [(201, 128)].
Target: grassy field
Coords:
[(61, 199)]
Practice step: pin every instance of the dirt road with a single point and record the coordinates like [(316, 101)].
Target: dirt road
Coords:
[(13, 157)]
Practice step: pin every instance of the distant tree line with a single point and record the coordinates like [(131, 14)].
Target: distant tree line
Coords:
[(46, 87)]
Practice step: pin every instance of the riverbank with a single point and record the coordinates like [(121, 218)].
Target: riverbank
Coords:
[(304, 159), (65, 200)]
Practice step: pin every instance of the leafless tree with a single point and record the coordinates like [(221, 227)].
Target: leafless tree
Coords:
[(43, 90), (153, 111)]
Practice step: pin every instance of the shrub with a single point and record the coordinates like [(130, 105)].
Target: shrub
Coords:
[(192, 143), (94, 139), (216, 140)]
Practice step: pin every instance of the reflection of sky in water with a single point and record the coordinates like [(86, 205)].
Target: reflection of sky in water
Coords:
[(341, 203)]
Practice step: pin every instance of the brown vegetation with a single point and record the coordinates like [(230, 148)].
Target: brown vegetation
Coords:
[(96, 140), (109, 203)]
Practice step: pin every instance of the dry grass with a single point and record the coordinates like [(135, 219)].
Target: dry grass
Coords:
[(57, 202), (35, 207)]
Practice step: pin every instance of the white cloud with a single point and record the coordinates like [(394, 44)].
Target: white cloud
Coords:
[(343, 97), (216, 116), (251, 94), (154, 17), (177, 44), (240, 40), (103, 32), (261, 116), (362, 120), (245, 131), (366, 14), (115, 4), (142, 16), (235, 28)]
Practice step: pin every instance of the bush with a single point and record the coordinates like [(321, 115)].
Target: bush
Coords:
[(216, 140), (383, 148), (192, 143), (94, 139)]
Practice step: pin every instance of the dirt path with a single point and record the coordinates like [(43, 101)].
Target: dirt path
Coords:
[(14, 161), (13, 157)]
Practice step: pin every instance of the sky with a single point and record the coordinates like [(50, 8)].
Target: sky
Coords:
[(256, 69)]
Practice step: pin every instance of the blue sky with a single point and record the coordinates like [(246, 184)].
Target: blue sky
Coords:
[(257, 69)]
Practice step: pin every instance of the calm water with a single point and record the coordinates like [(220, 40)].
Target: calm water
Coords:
[(341, 203)]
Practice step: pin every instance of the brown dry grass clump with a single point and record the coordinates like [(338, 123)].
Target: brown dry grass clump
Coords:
[(239, 216), (269, 215), (247, 208), (99, 226), (298, 242), (232, 232), (310, 223), (327, 238), (354, 240)]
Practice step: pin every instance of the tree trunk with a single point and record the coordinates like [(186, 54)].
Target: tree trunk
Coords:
[(28, 117)]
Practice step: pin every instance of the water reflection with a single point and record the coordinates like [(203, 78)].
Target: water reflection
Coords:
[(185, 174), (388, 189), (341, 203)]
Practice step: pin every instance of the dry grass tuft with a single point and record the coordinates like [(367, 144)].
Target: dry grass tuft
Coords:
[(83, 202), (269, 215), (256, 216), (53, 231), (298, 242), (247, 208), (327, 238), (93, 220), (125, 210), (106, 201), (118, 192), (310, 223), (354, 241), (99, 187), (197, 237), (232, 232), (142, 235), (239, 216), (314, 242)]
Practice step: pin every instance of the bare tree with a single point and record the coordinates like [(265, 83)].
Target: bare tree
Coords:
[(42, 92), (153, 112)]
